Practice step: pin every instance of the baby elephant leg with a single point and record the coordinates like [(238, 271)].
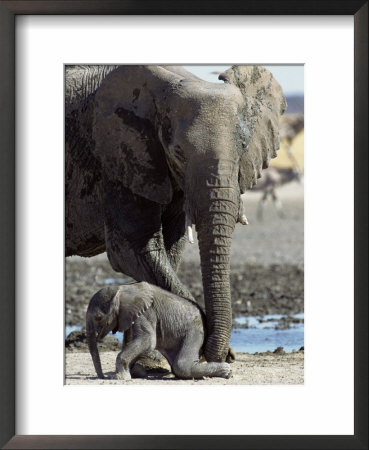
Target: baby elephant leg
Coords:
[(138, 344), (187, 365)]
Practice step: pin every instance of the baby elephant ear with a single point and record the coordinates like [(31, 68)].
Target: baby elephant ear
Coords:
[(134, 300)]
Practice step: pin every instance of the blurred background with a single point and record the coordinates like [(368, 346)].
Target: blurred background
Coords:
[(267, 257)]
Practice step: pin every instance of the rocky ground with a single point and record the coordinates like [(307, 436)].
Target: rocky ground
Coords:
[(267, 277)]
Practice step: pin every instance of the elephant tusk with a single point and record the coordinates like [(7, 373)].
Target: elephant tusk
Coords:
[(190, 234), (189, 231), (244, 220)]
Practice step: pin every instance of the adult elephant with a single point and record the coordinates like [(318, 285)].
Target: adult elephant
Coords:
[(148, 146)]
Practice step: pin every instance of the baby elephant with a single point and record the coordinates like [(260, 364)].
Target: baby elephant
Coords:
[(152, 319)]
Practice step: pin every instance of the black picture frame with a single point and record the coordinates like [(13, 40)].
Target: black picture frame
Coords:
[(8, 11)]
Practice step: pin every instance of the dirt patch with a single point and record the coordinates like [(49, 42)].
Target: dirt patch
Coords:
[(263, 368), (255, 289)]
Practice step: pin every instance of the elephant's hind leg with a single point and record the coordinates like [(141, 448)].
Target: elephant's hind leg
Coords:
[(187, 369), (187, 365)]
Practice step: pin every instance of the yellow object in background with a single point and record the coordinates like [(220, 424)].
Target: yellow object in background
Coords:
[(283, 159)]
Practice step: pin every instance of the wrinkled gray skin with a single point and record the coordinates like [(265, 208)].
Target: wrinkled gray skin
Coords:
[(151, 318), (147, 146)]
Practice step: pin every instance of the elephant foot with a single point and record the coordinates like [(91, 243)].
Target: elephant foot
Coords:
[(150, 362), (222, 370), (123, 375), (225, 371)]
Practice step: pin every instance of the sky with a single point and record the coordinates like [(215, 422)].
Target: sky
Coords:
[(290, 77)]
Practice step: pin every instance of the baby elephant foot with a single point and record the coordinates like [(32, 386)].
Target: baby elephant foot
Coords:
[(122, 371), (123, 375), (199, 370), (224, 370)]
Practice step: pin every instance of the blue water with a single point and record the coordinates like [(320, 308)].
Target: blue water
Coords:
[(265, 322), (114, 281), (70, 328), (252, 340), (261, 336)]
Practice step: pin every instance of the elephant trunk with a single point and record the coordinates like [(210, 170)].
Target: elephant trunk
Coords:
[(92, 346), (215, 227)]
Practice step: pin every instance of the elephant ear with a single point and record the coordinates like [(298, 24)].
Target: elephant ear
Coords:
[(263, 105), (134, 300), (126, 140)]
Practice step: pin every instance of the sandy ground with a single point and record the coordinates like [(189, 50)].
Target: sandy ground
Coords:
[(267, 277), (264, 368)]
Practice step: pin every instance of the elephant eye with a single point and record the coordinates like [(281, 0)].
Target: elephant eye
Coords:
[(98, 317)]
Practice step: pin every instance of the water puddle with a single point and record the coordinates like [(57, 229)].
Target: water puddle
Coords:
[(256, 334), (252, 340), (261, 334), (113, 281), (70, 328)]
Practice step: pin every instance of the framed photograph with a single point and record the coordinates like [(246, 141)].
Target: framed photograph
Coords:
[(313, 280)]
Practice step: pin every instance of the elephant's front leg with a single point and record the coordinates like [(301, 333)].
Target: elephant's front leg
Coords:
[(143, 339), (159, 270), (135, 243), (173, 225)]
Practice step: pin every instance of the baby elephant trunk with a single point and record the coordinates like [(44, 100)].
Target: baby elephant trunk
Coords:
[(92, 346)]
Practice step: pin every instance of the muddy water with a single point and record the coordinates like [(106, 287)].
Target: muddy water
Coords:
[(255, 334)]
